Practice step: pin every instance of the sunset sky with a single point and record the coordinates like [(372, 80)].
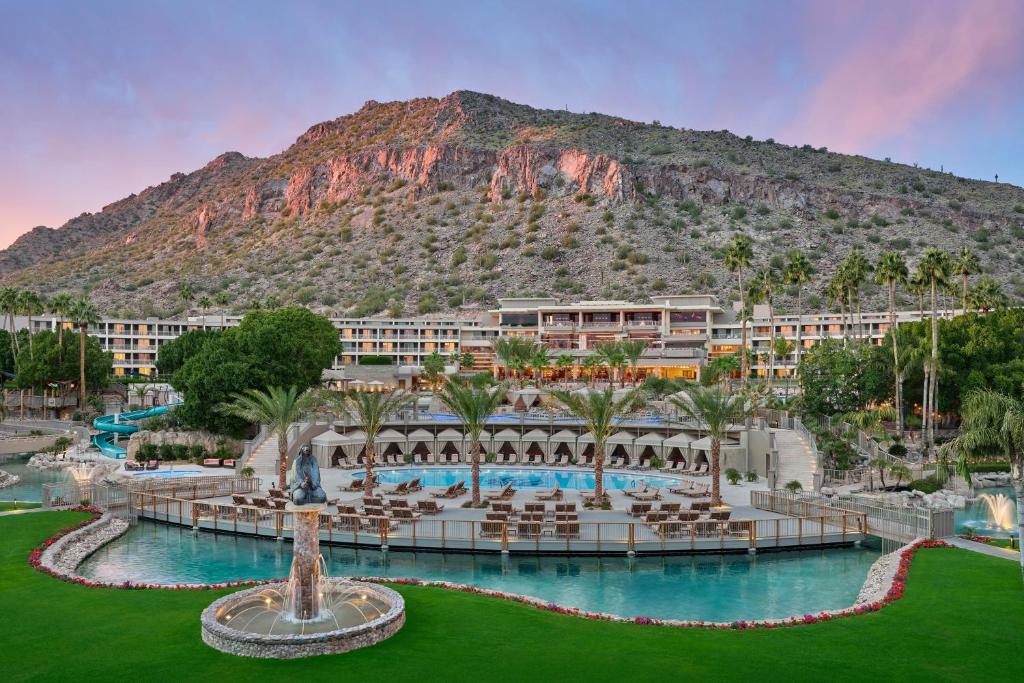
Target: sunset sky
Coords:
[(101, 99)]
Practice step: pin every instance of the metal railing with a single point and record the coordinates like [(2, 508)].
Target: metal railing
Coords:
[(548, 534)]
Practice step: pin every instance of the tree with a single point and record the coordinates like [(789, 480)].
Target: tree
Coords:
[(737, 258), (934, 267), (221, 299), (890, 271), (986, 295), (965, 265), (466, 360), (539, 362), (370, 409), (840, 379), (9, 305), (721, 369), (781, 348), (599, 412), (277, 408), (60, 305), (713, 409), (590, 363), (55, 360), (798, 273), (855, 269), (762, 290), (473, 406), (175, 352), (836, 291), (512, 353), (993, 421), (30, 304), (633, 350), (433, 369), (84, 313), (610, 353), (186, 293), (563, 362)]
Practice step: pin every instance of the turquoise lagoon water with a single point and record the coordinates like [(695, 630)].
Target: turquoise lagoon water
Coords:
[(521, 478), (30, 488), (708, 587), (978, 512)]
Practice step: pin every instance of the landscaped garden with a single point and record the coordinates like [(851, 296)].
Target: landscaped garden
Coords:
[(959, 619)]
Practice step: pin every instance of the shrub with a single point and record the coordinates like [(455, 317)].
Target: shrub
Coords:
[(831, 214), (180, 451), (148, 451), (739, 213), (926, 485), (374, 360), (166, 452), (549, 253), (732, 475), (793, 486), (247, 471), (991, 467), (197, 452), (751, 476), (897, 449)]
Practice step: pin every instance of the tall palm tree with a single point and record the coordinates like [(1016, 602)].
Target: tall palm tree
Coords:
[(965, 265), (30, 304), (992, 421), (986, 295), (935, 266), (539, 362), (513, 353), (590, 363), (917, 285), (9, 306), (737, 259), (611, 355), (83, 313), (277, 408), (473, 406), (370, 409), (633, 351), (763, 286), (563, 362), (600, 412), (187, 294), (836, 290), (221, 299), (798, 273), (890, 271), (856, 268), (60, 304), (713, 409)]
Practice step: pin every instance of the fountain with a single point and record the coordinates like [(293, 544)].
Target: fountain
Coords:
[(310, 613), (1001, 519)]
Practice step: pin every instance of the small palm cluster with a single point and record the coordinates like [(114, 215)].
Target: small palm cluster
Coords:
[(522, 357)]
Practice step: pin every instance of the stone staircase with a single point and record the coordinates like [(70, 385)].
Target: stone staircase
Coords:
[(264, 460), (797, 460)]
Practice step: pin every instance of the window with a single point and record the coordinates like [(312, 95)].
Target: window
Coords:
[(687, 317)]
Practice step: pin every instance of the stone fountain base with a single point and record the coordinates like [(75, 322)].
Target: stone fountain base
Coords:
[(237, 641)]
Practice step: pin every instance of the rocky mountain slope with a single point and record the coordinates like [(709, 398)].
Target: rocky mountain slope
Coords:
[(432, 206)]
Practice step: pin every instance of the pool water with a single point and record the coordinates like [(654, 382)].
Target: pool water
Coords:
[(978, 511), (169, 474), (708, 587), (30, 488), (521, 478)]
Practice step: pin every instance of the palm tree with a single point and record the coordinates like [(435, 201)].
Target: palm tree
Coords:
[(856, 269), (798, 273), (563, 362), (513, 353), (370, 409), (473, 406), (141, 390), (600, 412), (9, 305), (986, 295), (992, 421), (633, 350), (781, 348), (277, 408), (917, 285), (965, 265), (611, 355), (836, 290), (737, 258), (591, 362), (204, 307), (84, 313), (221, 299), (934, 267), (30, 304), (539, 362), (187, 294), (763, 288), (891, 271), (60, 304), (713, 409)]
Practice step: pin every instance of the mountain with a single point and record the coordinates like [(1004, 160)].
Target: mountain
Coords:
[(440, 205)]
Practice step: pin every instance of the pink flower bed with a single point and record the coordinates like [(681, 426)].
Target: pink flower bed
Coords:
[(894, 593)]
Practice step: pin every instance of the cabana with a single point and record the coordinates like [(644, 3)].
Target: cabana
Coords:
[(535, 444), (507, 444), (562, 443), (328, 448), (619, 445), (452, 442), (420, 442), (648, 446), (677, 447)]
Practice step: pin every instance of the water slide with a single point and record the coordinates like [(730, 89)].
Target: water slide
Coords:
[(118, 424)]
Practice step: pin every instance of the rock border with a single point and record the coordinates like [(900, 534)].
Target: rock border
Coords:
[(232, 641), (885, 584), (8, 479)]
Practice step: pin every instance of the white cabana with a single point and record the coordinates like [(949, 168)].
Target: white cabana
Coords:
[(704, 444), (352, 444), (450, 438), (537, 437), (651, 440), (509, 437), (326, 445), (564, 441)]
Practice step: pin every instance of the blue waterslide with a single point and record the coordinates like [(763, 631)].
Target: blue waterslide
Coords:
[(118, 424)]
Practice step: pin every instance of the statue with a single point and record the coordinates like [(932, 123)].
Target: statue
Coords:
[(305, 488)]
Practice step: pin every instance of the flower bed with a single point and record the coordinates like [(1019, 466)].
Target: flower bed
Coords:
[(895, 591)]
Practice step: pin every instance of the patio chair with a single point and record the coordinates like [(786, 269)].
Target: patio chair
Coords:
[(564, 507), (505, 492), (153, 465), (492, 528), (399, 489), (429, 507), (414, 485), (649, 494), (670, 507), (551, 494), (638, 509), (404, 514), (528, 529), (567, 529)]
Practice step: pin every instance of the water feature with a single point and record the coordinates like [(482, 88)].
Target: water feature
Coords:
[(993, 513), (521, 478), (710, 587), (30, 488)]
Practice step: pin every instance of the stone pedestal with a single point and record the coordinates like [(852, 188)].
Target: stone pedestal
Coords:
[(305, 575)]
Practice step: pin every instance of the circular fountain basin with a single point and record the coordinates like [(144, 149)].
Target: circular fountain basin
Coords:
[(257, 622), (989, 528)]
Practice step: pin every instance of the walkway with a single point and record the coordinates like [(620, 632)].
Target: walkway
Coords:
[(983, 548), (797, 461)]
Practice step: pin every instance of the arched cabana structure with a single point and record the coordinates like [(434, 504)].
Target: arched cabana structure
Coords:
[(353, 447), (677, 447), (451, 443), (421, 444), (619, 449), (507, 445), (535, 446), (650, 445), (385, 438), (327, 448), (562, 447)]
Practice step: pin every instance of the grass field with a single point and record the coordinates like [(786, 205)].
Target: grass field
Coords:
[(961, 620), (7, 505)]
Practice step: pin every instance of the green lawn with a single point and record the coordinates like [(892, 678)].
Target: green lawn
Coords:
[(7, 505), (961, 619)]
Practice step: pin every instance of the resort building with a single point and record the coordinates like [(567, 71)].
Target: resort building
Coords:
[(683, 333)]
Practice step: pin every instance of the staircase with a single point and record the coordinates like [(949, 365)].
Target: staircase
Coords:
[(797, 460), (264, 461)]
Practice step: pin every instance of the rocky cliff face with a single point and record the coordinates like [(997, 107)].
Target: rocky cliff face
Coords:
[(427, 205)]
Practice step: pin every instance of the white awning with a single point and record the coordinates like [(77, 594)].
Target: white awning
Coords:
[(705, 444), (390, 435), (329, 438), (680, 440), (651, 439)]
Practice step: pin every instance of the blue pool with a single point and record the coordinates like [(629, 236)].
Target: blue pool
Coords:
[(170, 473), (30, 488), (521, 478), (710, 587)]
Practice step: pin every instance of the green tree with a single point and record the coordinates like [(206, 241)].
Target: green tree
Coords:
[(891, 271), (433, 369), (30, 304), (763, 286), (987, 294), (965, 265), (186, 293), (836, 291), (277, 408), (563, 362), (633, 350), (60, 306), (590, 363), (370, 409), (9, 306), (838, 379), (713, 409), (738, 256), (610, 353), (175, 352), (538, 363), (55, 360), (798, 273), (84, 313), (600, 413), (855, 269), (473, 406), (934, 267)]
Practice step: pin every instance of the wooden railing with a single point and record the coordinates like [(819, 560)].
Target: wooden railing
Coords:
[(550, 535)]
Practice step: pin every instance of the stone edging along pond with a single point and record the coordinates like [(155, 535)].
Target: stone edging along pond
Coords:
[(61, 554)]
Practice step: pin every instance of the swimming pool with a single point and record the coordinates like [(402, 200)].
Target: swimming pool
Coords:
[(170, 473), (521, 477), (709, 587)]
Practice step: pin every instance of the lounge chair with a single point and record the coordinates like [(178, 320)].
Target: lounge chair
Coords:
[(508, 508), (633, 490), (672, 508), (431, 460), (528, 529), (153, 465), (211, 462), (429, 507), (567, 529), (564, 460), (276, 493), (671, 466), (697, 491), (404, 514), (400, 503), (505, 492), (496, 516), (414, 485), (617, 462), (649, 494), (638, 509), (701, 471), (400, 489), (373, 511), (132, 466), (345, 509), (453, 491), (228, 462), (239, 499), (701, 505), (354, 485), (534, 508), (564, 507), (492, 528), (553, 493), (721, 515), (689, 516), (682, 490)]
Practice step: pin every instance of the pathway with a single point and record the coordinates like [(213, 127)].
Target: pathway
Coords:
[(983, 548), (796, 459)]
